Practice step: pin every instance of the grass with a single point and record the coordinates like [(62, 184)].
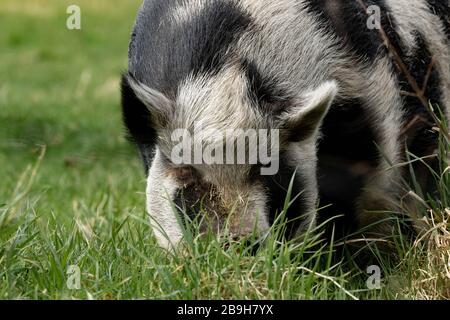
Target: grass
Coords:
[(71, 188)]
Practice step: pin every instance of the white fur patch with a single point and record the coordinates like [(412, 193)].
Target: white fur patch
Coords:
[(161, 190), (217, 103)]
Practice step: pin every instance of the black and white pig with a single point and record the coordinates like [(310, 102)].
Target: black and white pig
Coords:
[(318, 72)]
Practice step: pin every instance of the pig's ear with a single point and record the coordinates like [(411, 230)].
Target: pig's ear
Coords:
[(159, 106), (305, 118)]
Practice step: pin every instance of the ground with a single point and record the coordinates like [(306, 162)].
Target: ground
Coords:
[(72, 188)]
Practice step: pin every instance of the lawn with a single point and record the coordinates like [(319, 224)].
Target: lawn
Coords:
[(71, 188)]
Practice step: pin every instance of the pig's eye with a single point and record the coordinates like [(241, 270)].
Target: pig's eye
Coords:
[(185, 174)]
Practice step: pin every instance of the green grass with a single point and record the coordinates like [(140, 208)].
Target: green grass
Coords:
[(71, 187)]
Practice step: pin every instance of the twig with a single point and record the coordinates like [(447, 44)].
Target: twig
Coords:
[(417, 119), (419, 92), (346, 242), (428, 75), (409, 94)]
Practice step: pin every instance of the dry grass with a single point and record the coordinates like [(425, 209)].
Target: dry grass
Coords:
[(431, 279)]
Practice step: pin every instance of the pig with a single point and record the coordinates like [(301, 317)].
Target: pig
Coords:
[(321, 78)]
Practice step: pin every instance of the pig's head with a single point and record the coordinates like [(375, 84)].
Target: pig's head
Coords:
[(220, 140)]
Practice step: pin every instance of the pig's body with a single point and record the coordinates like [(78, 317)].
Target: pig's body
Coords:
[(314, 70)]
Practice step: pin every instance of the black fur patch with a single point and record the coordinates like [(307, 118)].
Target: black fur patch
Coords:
[(347, 133), (266, 94), (277, 187), (442, 9), (164, 52), (418, 136), (137, 120), (347, 154), (348, 20)]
